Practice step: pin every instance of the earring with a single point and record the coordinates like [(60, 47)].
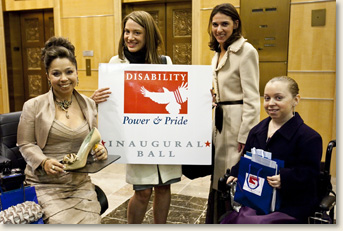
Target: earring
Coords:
[(49, 83), (293, 110)]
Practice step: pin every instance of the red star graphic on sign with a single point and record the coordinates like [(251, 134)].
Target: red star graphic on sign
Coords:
[(208, 144), (103, 143)]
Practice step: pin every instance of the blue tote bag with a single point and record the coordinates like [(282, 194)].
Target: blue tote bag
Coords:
[(252, 188), (17, 196)]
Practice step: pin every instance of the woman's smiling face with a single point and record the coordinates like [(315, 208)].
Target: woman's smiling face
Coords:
[(278, 101), (222, 27), (63, 77), (134, 36)]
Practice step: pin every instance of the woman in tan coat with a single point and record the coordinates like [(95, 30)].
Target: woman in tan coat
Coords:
[(236, 91), (53, 125)]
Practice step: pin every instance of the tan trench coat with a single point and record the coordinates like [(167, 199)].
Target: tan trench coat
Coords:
[(148, 173), (236, 77)]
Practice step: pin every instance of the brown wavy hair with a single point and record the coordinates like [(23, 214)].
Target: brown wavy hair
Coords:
[(229, 10), (153, 37)]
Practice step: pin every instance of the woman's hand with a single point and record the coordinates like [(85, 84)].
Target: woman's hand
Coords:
[(240, 147), (274, 181), (213, 98), (231, 179), (101, 95), (53, 167), (100, 152)]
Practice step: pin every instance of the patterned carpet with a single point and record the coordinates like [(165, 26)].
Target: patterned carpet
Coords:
[(183, 210)]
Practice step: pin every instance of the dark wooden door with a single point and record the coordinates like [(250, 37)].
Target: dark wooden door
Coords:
[(156, 10), (179, 32), (174, 20), (36, 28)]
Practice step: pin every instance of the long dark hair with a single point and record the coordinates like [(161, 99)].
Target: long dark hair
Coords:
[(229, 10)]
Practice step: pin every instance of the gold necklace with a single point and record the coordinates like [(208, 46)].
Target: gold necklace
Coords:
[(64, 105)]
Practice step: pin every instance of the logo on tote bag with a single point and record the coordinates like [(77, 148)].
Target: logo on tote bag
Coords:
[(253, 184), (156, 92)]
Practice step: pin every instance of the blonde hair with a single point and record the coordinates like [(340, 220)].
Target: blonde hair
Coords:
[(153, 37)]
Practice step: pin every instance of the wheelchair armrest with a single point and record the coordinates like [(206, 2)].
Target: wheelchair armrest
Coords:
[(102, 199), (328, 202)]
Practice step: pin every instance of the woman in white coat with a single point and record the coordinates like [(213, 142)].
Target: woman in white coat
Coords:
[(236, 93), (139, 43)]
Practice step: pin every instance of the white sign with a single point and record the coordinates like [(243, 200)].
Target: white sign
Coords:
[(157, 114)]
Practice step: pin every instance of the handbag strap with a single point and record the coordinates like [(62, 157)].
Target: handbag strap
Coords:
[(22, 185), (257, 175), (164, 59)]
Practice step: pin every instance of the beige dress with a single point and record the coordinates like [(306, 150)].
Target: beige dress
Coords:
[(68, 198)]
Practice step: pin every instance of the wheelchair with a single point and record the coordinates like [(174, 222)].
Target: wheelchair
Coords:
[(325, 211), (12, 157)]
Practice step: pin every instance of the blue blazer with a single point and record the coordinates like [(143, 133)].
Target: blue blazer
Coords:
[(301, 149)]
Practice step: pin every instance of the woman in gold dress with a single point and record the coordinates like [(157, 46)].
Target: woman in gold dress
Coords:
[(53, 125)]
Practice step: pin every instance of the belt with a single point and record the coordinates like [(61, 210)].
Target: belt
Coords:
[(219, 112)]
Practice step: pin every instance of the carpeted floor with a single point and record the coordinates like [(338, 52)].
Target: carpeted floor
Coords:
[(183, 210)]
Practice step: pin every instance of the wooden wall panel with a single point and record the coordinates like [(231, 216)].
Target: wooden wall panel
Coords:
[(312, 63), (4, 106), (212, 3), (308, 1), (76, 8), (4, 103), (90, 33), (93, 33), (147, 1), (11, 5), (87, 84), (205, 55), (57, 17), (315, 84), (263, 113), (318, 115), (312, 48), (94, 26)]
